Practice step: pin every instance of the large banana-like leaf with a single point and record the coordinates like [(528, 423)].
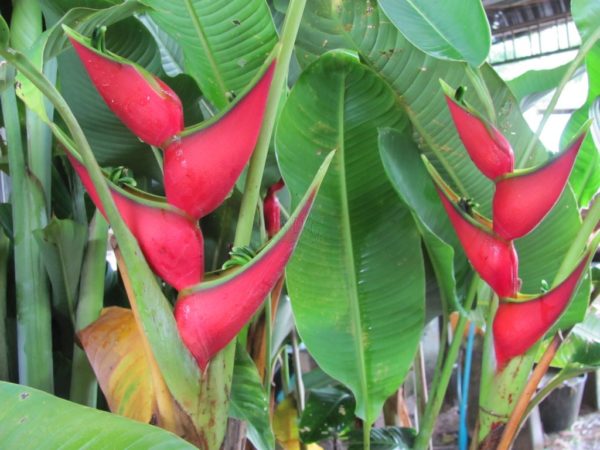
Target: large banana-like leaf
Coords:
[(414, 78), (224, 42), (32, 419), (439, 28), (357, 279)]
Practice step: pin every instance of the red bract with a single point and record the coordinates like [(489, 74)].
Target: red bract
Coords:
[(518, 326), (146, 105), (272, 209), (523, 199), (488, 148), (211, 314), (170, 240), (203, 165), (494, 258)]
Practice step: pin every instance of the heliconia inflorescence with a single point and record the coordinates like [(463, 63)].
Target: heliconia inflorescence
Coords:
[(170, 239), (203, 164), (488, 148), (493, 257), (272, 209), (211, 314), (522, 198), (143, 102), (518, 326)]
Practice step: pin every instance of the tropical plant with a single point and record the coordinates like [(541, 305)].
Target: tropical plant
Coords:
[(189, 129)]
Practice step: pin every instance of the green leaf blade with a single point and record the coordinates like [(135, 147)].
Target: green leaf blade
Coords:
[(356, 279), (443, 35)]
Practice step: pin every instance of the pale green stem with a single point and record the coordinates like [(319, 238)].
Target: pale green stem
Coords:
[(4, 253), (84, 386), (439, 391), (581, 54), (34, 334)]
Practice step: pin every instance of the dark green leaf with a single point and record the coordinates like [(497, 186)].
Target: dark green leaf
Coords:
[(328, 413), (32, 419), (440, 30), (249, 401), (61, 244), (4, 33), (389, 438), (224, 42), (356, 279)]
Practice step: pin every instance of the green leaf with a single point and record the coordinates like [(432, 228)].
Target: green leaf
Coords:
[(62, 243), (328, 413), (414, 77), (4, 33), (529, 87), (249, 401), (356, 279), (405, 169), (32, 419), (586, 15), (224, 42), (581, 348), (171, 54), (389, 438), (439, 29)]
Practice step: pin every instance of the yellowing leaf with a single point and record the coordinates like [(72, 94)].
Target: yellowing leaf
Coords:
[(119, 357), (285, 426)]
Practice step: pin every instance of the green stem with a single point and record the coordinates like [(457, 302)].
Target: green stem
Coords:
[(34, 334), (298, 373), (84, 387), (4, 253), (583, 51), (437, 396), (257, 162), (268, 345), (225, 359)]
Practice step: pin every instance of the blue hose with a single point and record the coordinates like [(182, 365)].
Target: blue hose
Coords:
[(463, 431)]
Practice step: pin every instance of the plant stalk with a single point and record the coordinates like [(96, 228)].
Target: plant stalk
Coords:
[(439, 391), (4, 254), (514, 422), (84, 387), (34, 334)]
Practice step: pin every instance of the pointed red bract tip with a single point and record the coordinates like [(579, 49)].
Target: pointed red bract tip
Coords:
[(488, 148), (170, 241), (521, 201), (201, 168), (272, 209), (208, 318), (518, 326), (146, 105), (492, 257)]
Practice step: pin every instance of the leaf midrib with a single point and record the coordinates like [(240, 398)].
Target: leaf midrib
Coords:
[(407, 109), (207, 49), (348, 252)]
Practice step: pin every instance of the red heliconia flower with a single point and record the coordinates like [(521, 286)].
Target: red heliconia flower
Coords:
[(272, 209), (518, 326), (203, 164), (146, 105), (492, 257), (522, 199), (488, 148), (211, 314), (170, 239)]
